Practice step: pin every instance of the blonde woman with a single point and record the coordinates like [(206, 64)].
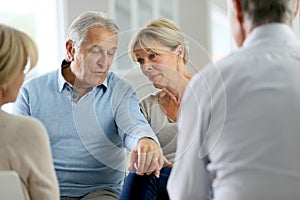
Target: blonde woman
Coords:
[(161, 51), (24, 144)]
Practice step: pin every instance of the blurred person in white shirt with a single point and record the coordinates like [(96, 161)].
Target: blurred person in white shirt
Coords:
[(239, 118)]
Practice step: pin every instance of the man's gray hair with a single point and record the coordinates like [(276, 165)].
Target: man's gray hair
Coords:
[(268, 11), (78, 29)]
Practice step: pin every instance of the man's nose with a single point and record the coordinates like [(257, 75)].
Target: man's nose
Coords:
[(102, 60)]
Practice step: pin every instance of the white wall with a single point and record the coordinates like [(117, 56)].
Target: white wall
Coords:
[(76, 7), (194, 21)]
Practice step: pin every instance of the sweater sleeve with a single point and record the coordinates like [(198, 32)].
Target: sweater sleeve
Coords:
[(36, 167)]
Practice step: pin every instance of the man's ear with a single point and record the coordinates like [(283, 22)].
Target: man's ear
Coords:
[(297, 8), (70, 50), (239, 11)]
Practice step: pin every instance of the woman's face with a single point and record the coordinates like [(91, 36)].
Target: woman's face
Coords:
[(159, 68), (13, 86)]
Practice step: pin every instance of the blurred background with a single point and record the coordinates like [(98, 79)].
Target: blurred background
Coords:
[(203, 22)]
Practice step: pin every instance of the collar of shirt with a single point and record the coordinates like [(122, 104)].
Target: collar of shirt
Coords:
[(270, 32), (62, 83)]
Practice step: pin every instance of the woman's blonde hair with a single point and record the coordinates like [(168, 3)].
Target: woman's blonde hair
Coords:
[(16, 48), (157, 33)]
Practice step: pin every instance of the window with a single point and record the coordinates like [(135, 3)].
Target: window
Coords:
[(39, 20), (221, 40)]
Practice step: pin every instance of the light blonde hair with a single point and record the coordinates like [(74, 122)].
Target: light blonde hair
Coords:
[(157, 33), (16, 48)]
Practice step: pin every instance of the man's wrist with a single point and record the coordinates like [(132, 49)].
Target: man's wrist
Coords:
[(150, 139)]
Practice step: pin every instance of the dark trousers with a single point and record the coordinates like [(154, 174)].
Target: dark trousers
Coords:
[(146, 187)]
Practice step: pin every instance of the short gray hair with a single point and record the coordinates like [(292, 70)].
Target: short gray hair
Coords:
[(268, 11), (78, 29)]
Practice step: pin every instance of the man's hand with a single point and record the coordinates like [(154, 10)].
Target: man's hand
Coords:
[(147, 157)]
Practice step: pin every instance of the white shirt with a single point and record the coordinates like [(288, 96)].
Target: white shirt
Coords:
[(239, 124)]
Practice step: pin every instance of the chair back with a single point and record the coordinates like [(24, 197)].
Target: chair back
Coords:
[(10, 186)]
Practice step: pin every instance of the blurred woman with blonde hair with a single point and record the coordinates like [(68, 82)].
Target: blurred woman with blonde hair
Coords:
[(24, 143)]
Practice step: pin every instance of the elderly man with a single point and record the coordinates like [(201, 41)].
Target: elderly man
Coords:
[(243, 140), (90, 114)]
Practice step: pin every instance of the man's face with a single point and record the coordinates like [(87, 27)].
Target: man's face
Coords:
[(13, 85), (92, 62)]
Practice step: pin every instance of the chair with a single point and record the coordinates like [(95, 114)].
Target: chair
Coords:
[(10, 186)]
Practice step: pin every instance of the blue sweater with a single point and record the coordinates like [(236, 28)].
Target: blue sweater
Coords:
[(88, 135)]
